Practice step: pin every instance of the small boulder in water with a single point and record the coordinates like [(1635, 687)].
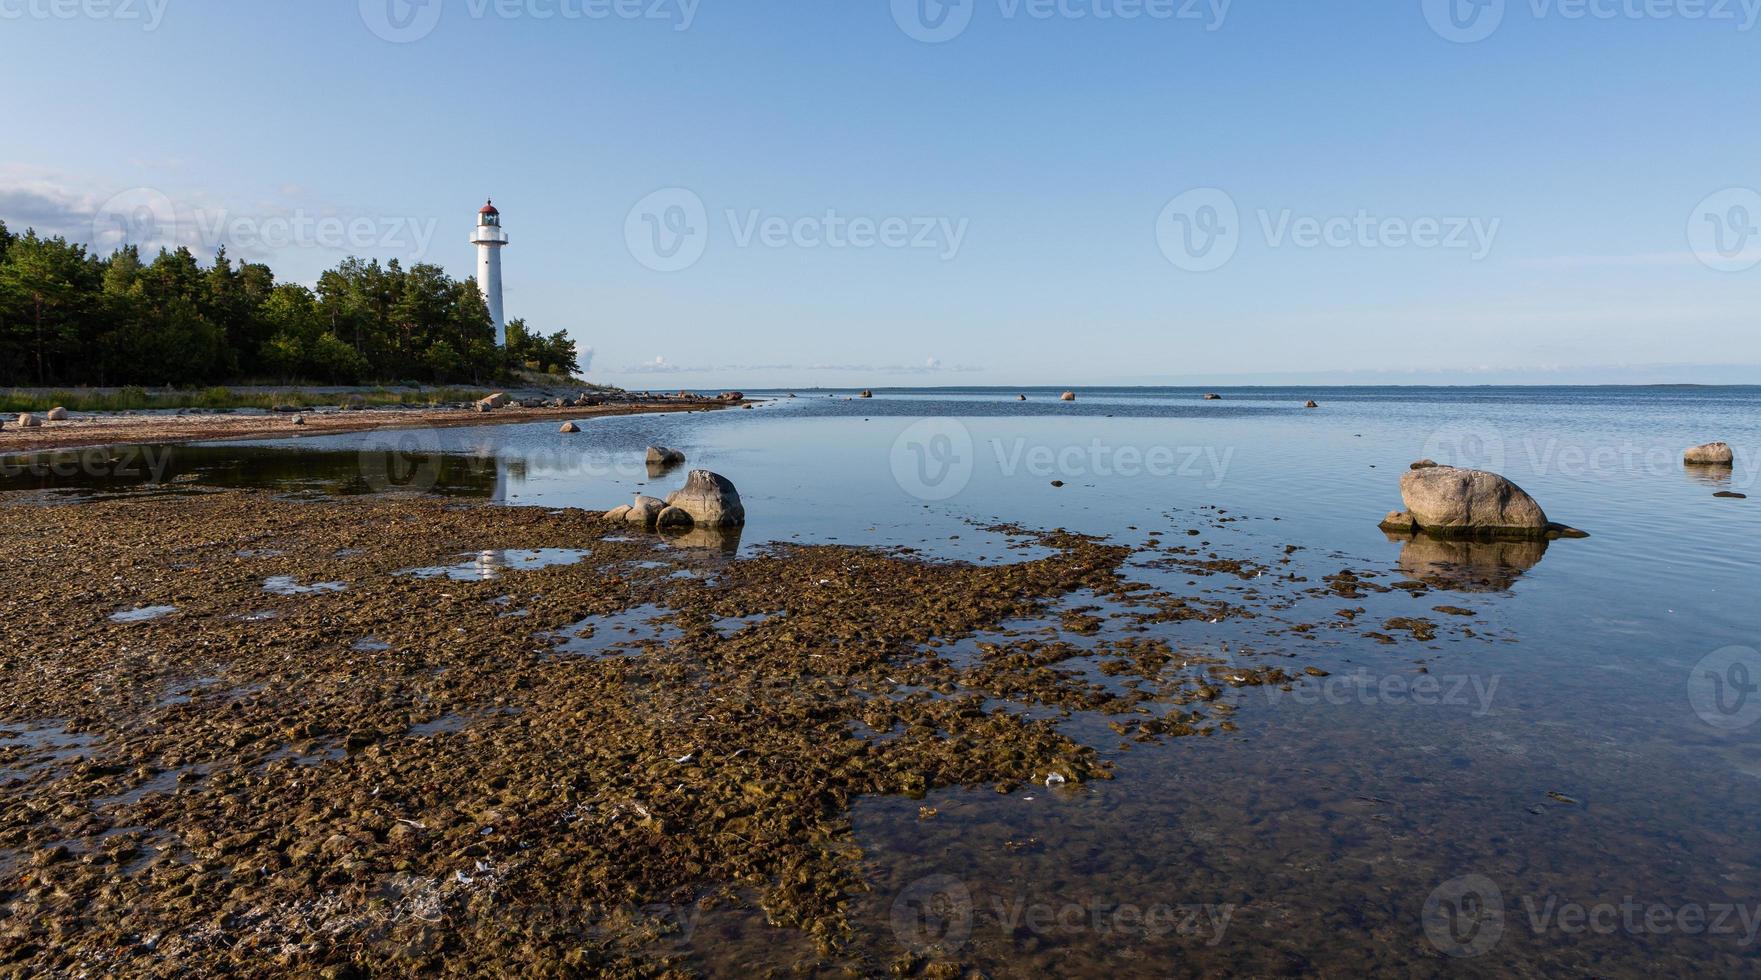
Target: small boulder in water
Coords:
[(1213, 397), (1451, 502), (569, 428), (1313, 404), (1711, 454), (866, 393), (1068, 396), (645, 511), (709, 499), (57, 414), (662, 456), (29, 421)]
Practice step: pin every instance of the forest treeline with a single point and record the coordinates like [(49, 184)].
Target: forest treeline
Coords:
[(69, 317)]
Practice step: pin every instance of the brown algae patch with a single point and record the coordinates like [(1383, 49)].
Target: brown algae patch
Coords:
[(461, 793)]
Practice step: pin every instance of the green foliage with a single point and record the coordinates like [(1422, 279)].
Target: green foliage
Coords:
[(553, 355), (67, 317)]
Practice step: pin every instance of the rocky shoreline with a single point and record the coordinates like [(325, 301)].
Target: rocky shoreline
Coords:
[(391, 735), (79, 430)]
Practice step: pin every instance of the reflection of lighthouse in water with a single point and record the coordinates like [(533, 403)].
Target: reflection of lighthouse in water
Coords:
[(490, 239)]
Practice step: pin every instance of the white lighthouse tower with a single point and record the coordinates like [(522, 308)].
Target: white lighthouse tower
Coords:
[(490, 240)]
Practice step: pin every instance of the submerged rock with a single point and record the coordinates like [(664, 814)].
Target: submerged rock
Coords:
[(1711, 454), (1447, 501), (709, 499)]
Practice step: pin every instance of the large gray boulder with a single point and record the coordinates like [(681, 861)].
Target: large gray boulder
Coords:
[(1447, 501), (709, 500), (1711, 454)]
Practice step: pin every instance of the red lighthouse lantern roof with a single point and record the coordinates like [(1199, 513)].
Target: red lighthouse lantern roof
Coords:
[(489, 209)]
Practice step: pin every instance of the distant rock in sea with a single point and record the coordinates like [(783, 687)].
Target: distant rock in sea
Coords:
[(1711, 454)]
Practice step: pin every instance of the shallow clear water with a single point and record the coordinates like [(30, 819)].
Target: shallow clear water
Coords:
[(1587, 764)]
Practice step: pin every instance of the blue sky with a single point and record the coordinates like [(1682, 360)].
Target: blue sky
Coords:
[(859, 206)]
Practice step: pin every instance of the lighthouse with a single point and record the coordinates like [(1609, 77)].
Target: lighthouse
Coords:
[(490, 240)]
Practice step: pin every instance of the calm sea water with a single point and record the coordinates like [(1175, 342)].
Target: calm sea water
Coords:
[(1570, 791)]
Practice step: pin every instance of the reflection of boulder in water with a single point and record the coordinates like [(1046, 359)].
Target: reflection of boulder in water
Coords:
[(1716, 477), (1467, 565), (705, 537), (658, 470)]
